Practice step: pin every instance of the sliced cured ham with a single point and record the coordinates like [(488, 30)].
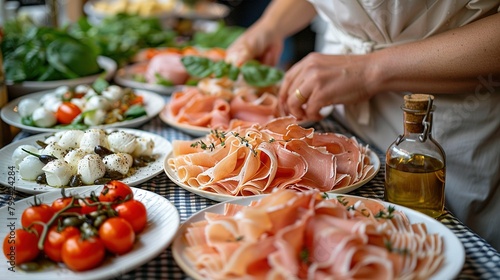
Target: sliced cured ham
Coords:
[(292, 235), (214, 103), (249, 160)]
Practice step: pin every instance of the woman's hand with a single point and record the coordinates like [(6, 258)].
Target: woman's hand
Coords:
[(320, 80), (258, 42)]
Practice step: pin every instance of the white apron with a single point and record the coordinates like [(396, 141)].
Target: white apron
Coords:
[(466, 125)]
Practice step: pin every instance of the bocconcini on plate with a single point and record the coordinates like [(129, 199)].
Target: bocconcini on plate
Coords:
[(73, 158)]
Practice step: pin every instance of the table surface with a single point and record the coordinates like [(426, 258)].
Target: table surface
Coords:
[(481, 262)]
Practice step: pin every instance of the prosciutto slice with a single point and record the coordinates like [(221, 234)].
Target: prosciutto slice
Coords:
[(302, 235), (250, 160), (214, 103)]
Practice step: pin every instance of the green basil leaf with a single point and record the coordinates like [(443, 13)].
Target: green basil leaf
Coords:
[(160, 80), (260, 75), (28, 121), (196, 66), (220, 68), (134, 112)]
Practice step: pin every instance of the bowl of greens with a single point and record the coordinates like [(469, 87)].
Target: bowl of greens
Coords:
[(40, 57)]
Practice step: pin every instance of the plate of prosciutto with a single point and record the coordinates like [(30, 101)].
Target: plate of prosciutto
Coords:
[(260, 159), (313, 235), (220, 104)]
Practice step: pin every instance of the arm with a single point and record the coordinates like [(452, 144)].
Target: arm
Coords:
[(264, 39), (456, 61), (451, 62)]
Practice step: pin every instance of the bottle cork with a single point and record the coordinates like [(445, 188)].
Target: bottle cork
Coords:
[(415, 108)]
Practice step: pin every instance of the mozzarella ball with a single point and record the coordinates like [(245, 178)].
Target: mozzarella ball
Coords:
[(92, 138), (43, 117), (82, 89), (94, 118), (51, 103), (71, 139), (30, 168), (27, 106), (144, 147), (122, 142), (91, 168), (60, 91), (57, 173), (97, 102), (54, 149), (113, 92), (73, 157), (80, 102), (116, 162), (18, 155), (90, 92)]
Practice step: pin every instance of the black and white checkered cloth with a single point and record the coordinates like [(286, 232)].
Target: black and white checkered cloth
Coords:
[(482, 261)]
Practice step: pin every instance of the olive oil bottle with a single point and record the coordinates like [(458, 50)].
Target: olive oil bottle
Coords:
[(415, 162)]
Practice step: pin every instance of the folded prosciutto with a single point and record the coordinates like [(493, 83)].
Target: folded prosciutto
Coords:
[(249, 160), (214, 103), (303, 235)]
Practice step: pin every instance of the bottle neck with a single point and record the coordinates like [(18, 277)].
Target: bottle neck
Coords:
[(418, 124)]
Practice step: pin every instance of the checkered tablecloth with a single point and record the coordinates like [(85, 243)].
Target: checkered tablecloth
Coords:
[(481, 262)]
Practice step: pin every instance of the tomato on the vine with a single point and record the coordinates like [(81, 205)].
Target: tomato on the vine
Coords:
[(82, 254), (67, 112), (55, 239), (37, 213), (114, 191), (134, 212), (86, 204), (20, 246), (118, 235), (62, 202)]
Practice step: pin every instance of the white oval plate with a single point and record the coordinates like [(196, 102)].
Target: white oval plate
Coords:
[(125, 77), (19, 89), (162, 148), (154, 103), (454, 254), (163, 223), (172, 175)]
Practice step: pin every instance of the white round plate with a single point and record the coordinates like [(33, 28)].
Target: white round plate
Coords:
[(154, 103), (172, 175), (19, 89), (125, 77), (454, 254), (199, 131), (163, 223), (161, 149)]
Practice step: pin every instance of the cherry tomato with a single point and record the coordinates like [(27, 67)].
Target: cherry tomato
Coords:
[(134, 212), (66, 112), (86, 207), (83, 254), (20, 246), (55, 240), (62, 202), (118, 235), (37, 213), (115, 191)]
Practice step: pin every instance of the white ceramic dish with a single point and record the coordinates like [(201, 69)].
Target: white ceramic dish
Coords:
[(162, 148), (126, 77), (454, 254), (19, 89), (154, 103), (172, 175), (163, 223)]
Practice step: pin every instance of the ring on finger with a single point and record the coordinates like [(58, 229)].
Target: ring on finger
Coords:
[(299, 96)]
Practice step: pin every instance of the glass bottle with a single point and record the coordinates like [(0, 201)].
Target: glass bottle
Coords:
[(415, 162)]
